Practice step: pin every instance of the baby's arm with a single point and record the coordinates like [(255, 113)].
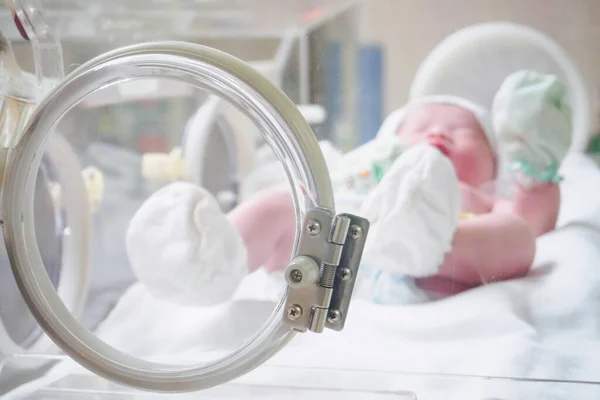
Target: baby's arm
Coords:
[(266, 222), (501, 245), (490, 247), (538, 206)]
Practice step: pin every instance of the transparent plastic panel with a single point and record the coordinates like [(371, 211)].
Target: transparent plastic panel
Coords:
[(201, 225), (135, 137)]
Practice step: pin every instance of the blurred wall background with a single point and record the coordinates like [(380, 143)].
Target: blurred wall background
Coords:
[(394, 37), (407, 30)]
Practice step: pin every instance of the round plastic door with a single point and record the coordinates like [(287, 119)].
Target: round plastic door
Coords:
[(320, 234), (63, 235)]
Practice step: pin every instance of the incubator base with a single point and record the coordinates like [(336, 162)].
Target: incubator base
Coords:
[(266, 382), (67, 380)]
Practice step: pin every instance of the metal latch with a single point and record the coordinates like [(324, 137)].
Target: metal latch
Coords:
[(321, 277)]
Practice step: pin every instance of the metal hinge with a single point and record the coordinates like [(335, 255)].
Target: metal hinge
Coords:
[(322, 275)]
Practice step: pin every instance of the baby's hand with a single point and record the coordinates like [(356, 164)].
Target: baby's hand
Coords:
[(414, 213)]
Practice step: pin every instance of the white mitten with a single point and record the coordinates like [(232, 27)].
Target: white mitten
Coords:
[(414, 212), (183, 248), (533, 126)]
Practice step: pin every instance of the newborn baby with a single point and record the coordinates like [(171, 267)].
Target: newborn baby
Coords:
[(495, 236), (434, 188)]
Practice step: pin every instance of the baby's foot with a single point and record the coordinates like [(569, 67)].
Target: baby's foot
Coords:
[(183, 248), (414, 212)]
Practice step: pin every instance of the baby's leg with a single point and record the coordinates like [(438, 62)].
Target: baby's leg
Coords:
[(490, 247), (267, 224)]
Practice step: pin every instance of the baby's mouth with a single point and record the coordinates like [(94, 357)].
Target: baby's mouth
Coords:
[(440, 145)]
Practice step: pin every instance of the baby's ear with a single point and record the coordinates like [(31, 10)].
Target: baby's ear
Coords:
[(391, 124)]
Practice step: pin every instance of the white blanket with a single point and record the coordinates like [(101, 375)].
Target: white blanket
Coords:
[(545, 326)]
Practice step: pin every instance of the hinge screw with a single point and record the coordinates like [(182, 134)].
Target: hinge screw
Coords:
[(294, 312), (313, 228), (355, 232), (345, 273), (334, 316), (296, 275)]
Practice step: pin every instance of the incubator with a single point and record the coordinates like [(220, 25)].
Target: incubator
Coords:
[(85, 151)]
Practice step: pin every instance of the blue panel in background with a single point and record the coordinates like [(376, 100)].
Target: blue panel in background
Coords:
[(370, 91), (333, 85)]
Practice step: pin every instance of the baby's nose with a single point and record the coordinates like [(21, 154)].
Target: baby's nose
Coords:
[(439, 134)]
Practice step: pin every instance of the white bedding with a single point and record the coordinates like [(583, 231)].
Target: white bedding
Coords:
[(545, 326)]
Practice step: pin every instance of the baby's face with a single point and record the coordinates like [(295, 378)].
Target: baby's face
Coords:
[(455, 132)]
